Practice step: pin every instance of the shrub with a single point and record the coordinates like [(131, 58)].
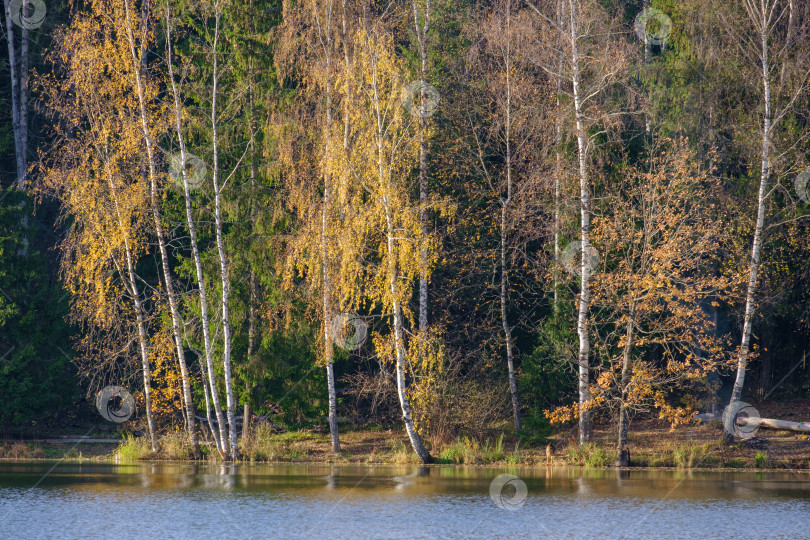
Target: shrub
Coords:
[(590, 455), (464, 450), (762, 460), (261, 445), (176, 446), (134, 448), (493, 452), (689, 455), (514, 457), (20, 450), (469, 451)]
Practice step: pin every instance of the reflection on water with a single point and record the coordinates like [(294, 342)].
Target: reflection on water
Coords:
[(179, 500)]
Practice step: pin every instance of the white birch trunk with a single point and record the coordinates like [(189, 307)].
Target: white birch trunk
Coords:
[(15, 69), (327, 43), (421, 35), (142, 342), (226, 323), (399, 345), (584, 207), (143, 339), (756, 249), (393, 277), (219, 439), (206, 385), (557, 170), (507, 330), (137, 65), (327, 311), (22, 136)]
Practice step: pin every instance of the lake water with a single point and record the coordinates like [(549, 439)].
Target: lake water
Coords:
[(169, 500)]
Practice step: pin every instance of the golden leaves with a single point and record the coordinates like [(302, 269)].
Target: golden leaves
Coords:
[(657, 234)]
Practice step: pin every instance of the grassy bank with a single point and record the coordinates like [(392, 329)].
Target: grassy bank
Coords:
[(653, 444)]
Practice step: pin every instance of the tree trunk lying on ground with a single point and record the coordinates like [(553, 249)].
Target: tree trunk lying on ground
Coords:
[(803, 427), (770, 423)]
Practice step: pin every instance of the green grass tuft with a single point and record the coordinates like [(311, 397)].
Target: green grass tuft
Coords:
[(134, 449)]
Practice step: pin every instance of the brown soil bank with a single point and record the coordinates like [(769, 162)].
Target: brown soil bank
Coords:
[(652, 444)]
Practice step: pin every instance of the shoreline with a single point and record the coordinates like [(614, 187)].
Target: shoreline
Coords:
[(654, 446), (104, 460)]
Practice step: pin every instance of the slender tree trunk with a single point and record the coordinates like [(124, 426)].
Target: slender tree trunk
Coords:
[(139, 66), (647, 55), (558, 169), (392, 256), (252, 319), (327, 308), (23, 93), (246, 421), (19, 86), (421, 34), (756, 249), (346, 66), (399, 346), (219, 440), (333, 420), (327, 323), (507, 330), (327, 43), (226, 322), (143, 339), (624, 420), (206, 385), (252, 316), (253, 298), (584, 207)]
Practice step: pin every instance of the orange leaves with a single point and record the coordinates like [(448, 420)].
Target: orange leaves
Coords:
[(657, 235), (676, 415)]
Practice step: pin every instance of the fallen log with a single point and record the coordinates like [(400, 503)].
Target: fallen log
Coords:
[(238, 421), (802, 427)]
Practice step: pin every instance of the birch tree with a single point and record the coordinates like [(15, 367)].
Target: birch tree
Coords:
[(327, 29), (138, 34), (384, 149), (768, 46), (421, 26), (513, 136), (209, 377), (17, 40), (594, 58), (219, 184), (93, 173)]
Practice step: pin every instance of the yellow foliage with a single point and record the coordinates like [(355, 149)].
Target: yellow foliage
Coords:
[(167, 389)]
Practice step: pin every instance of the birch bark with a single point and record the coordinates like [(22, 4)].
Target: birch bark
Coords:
[(223, 263), (138, 68), (327, 44), (585, 220), (761, 18), (205, 319), (421, 35), (505, 202), (143, 339), (18, 68)]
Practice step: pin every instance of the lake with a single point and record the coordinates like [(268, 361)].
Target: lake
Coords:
[(179, 500)]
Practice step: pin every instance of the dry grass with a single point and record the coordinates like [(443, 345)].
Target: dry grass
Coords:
[(20, 450), (651, 442)]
